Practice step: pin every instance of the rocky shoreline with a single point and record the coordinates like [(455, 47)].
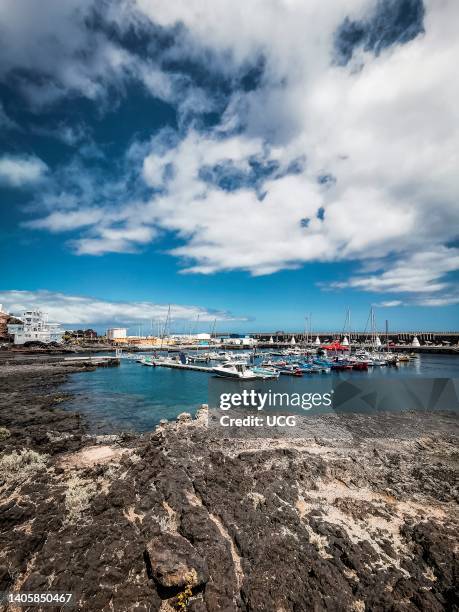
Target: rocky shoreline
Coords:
[(180, 519)]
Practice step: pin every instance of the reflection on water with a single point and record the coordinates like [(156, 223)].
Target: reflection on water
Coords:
[(135, 397)]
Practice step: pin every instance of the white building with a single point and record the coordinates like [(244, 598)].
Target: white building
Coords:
[(203, 336), (246, 341), (34, 327), (116, 333)]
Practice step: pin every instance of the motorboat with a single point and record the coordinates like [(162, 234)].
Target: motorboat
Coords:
[(273, 364), (214, 356), (198, 358), (147, 361), (290, 370), (307, 368), (235, 369), (359, 365), (378, 361), (265, 372), (341, 366)]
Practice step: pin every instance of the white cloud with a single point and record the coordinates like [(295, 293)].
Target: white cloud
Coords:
[(389, 304), (418, 273), (48, 40), (449, 299), (59, 221), (127, 239), (385, 127), (53, 49), (19, 171), (79, 310), (434, 301)]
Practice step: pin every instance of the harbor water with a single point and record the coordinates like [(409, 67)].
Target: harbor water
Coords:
[(133, 397)]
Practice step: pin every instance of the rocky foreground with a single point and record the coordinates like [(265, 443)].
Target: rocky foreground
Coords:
[(360, 514)]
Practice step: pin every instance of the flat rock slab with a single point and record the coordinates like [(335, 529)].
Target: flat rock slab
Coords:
[(175, 562), (90, 456)]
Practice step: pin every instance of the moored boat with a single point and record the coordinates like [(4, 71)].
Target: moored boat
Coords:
[(147, 361), (235, 369), (265, 372), (360, 365), (290, 370)]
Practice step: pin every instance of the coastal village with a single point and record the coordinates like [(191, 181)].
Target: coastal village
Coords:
[(32, 328)]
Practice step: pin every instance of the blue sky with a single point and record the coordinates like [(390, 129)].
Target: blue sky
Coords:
[(236, 169)]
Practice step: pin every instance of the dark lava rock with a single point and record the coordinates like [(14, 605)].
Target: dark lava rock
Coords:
[(174, 562), (249, 525)]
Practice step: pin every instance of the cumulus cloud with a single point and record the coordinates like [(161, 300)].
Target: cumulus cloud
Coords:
[(20, 171), (418, 273), (53, 50), (79, 310), (378, 116)]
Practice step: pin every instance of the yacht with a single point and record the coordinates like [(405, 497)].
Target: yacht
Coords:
[(235, 369)]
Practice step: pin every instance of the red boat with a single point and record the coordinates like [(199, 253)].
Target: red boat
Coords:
[(340, 367), (360, 365)]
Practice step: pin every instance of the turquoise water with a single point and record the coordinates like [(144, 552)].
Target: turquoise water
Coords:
[(135, 397)]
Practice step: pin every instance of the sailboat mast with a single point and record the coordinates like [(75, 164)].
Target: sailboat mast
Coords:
[(373, 328), (350, 329), (165, 325), (196, 329)]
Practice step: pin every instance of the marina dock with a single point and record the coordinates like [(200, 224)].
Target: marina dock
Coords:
[(182, 366)]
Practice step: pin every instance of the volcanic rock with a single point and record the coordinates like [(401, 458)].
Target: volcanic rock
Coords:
[(175, 562)]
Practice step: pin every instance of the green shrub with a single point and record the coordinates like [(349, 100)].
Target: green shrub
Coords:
[(4, 433)]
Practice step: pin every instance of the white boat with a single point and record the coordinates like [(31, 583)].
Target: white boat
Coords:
[(235, 369), (198, 358), (378, 361), (147, 361), (263, 372), (214, 356)]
